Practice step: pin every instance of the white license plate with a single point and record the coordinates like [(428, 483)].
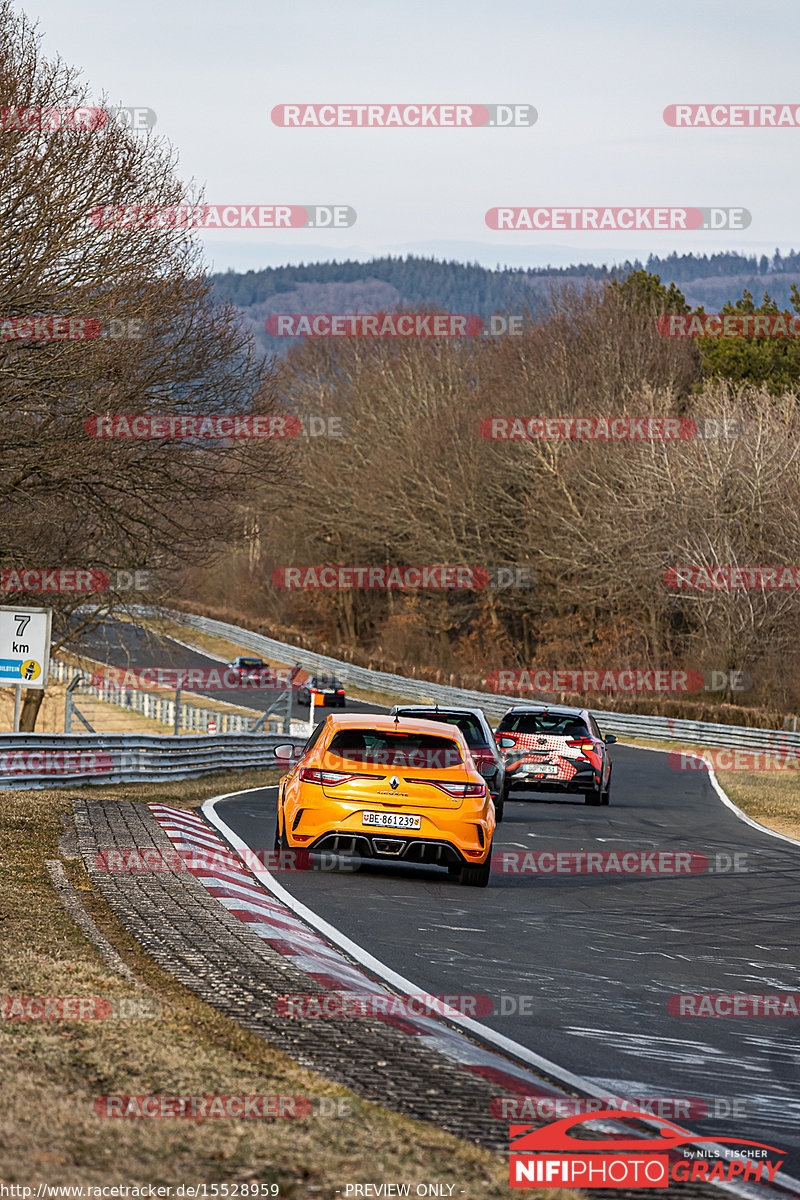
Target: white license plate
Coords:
[(391, 820), (540, 768)]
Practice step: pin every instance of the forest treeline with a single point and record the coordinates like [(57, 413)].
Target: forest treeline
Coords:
[(410, 479), (601, 523)]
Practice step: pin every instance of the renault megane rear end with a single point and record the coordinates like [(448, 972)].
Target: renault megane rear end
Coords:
[(392, 789)]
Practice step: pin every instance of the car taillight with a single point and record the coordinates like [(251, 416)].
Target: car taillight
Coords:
[(332, 778), (340, 691), (459, 790), (585, 745)]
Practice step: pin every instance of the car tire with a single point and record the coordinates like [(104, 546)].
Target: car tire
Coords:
[(477, 876), (499, 807), (595, 796), (606, 797)]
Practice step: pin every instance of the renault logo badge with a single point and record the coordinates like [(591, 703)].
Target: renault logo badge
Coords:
[(394, 783)]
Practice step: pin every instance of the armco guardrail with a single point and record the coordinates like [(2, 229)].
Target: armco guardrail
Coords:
[(193, 717), (696, 733), (40, 760)]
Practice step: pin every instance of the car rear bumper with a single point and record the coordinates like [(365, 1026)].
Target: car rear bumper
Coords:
[(582, 781), (393, 845), (443, 836)]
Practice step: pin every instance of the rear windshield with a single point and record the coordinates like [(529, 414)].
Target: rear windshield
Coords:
[(549, 724), (327, 681), (422, 751), (249, 662), (470, 726)]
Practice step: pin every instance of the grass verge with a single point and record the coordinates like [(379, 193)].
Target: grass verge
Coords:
[(52, 1071)]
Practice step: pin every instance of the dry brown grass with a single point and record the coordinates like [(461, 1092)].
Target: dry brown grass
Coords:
[(50, 1073)]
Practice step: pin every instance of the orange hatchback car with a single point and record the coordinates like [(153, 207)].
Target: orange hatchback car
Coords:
[(388, 788)]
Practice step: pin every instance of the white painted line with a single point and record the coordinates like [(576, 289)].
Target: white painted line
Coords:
[(404, 986), (723, 795)]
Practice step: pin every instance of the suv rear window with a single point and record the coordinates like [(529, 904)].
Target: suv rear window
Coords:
[(551, 724), (470, 726), (420, 751)]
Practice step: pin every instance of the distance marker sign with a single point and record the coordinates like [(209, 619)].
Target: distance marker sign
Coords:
[(24, 646)]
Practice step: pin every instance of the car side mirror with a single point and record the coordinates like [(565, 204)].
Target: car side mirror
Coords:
[(609, 739), (286, 752), (506, 742)]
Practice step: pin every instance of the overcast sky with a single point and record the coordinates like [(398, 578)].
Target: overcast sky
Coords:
[(599, 76)]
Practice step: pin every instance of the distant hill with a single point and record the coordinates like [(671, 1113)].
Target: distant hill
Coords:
[(391, 283)]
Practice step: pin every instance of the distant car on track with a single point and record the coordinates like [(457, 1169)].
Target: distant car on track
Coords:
[(327, 688), (551, 748), (387, 788), (249, 668), (480, 738)]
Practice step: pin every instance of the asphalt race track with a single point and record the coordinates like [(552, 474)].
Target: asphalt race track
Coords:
[(598, 954), (121, 644)]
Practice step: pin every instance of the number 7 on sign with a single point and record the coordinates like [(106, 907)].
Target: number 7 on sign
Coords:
[(21, 623)]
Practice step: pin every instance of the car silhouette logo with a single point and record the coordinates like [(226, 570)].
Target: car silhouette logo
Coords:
[(394, 783), (555, 1137)]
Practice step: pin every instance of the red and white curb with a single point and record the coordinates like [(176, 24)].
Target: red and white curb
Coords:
[(269, 914), (271, 920)]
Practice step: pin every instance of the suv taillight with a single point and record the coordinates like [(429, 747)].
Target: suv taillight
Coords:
[(585, 744)]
